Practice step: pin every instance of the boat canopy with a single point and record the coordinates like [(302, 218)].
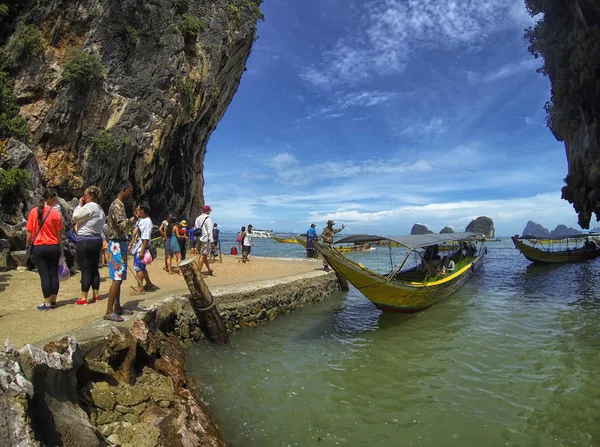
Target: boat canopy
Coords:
[(411, 242), (570, 236)]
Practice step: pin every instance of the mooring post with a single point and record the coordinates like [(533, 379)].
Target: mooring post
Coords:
[(203, 303)]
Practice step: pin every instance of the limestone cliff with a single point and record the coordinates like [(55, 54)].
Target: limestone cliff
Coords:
[(126, 89), (568, 37), (446, 230), (535, 229), (420, 229), (483, 225)]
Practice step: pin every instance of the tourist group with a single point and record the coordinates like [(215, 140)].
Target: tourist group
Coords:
[(97, 238)]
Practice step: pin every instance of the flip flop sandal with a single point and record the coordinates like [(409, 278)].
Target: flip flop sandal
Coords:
[(113, 317), (152, 288), (124, 312), (136, 292), (43, 307)]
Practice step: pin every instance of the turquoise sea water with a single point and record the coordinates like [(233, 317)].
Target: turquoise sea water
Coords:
[(511, 359)]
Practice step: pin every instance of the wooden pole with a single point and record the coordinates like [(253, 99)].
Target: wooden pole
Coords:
[(203, 303)]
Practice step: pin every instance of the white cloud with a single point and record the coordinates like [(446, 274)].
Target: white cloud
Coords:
[(505, 71), (528, 120), (364, 99), (395, 29), (433, 126)]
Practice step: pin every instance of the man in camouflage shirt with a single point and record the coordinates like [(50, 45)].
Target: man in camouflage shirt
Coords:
[(117, 226), (327, 235)]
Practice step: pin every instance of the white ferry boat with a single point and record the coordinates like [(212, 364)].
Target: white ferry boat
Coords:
[(262, 233)]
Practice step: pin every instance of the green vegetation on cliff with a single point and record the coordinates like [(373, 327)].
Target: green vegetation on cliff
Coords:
[(83, 70), (11, 124), (13, 186), (567, 37)]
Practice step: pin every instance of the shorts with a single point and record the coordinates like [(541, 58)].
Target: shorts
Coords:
[(203, 248), (246, 249), (117, 260), (137, 265)]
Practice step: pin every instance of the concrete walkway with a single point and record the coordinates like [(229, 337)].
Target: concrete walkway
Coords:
[(20, 293)]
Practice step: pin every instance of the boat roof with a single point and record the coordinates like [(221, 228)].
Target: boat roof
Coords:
[(412, 242), (568, 236)]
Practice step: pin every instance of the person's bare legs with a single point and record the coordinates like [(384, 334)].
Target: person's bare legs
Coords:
[(204, 261), (178, 260), (114, 298), (169, 262), (95, 294)]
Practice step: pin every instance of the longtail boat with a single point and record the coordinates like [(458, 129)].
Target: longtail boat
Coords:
[(301, 239), (417, 282), (285, 240), (572, 248)]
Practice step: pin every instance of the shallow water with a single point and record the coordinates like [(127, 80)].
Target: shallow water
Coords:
[(512, 358)]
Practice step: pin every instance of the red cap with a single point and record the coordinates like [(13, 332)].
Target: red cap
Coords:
[(206, 209)]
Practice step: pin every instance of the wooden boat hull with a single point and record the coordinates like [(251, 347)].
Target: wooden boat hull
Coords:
[(397, 296), (556, 257), (301, 239), (285, 240)]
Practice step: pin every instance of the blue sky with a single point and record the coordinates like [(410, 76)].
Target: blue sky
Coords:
[(382, 114)]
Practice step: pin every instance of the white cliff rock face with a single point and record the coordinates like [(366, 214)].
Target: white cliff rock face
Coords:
[(170, 70), (15, 392)]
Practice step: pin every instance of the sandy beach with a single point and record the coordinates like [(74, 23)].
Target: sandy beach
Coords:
[(20, 293)]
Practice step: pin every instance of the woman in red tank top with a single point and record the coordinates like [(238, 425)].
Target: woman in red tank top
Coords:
[(44, 225)]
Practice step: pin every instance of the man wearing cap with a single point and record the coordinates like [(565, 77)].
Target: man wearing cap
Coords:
[(204, 237), (327, 235), (311, 237)]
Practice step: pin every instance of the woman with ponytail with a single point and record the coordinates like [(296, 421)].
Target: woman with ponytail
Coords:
[(44, 225)]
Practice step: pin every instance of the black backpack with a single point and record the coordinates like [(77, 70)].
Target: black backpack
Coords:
[(198, 231)]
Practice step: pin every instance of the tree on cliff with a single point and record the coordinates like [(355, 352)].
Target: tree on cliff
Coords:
[(567, 37)]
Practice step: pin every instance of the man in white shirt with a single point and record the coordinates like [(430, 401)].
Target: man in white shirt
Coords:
[(204, 237)]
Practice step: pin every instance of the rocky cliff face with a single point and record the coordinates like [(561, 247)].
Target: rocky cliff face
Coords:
[(127, 89), (535, 229), (420, 229), (483, 225), (568, 38)]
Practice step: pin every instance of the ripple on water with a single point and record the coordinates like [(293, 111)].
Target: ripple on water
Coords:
[(510, 359)]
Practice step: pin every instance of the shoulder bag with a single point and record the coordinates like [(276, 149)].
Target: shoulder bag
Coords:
[(30, 263)]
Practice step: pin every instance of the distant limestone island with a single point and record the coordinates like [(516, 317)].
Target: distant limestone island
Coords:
[(482, 225), (536, 230)]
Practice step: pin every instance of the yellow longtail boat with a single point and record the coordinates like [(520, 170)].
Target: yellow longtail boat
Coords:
[(301, 239), (285, 240), (415, 288), (574, 248)]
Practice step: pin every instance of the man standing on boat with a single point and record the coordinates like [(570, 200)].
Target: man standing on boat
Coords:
[(311, 237), (327, 235)]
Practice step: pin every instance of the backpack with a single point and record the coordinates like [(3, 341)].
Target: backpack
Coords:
[(198, 231)]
